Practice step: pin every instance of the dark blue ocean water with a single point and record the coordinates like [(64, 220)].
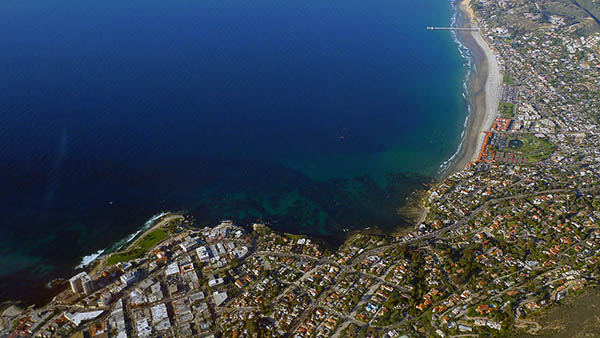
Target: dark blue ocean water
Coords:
[(311, 115)]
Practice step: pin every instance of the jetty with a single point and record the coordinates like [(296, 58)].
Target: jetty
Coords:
[(434, 28)]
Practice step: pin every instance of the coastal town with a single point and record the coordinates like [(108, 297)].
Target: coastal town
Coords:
[(499, 243)]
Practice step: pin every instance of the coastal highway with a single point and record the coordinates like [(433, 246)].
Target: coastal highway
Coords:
[(463, 221)]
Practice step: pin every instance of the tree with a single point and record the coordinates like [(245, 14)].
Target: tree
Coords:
[(251, 326)]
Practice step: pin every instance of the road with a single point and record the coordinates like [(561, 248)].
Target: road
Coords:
[(347, 267)]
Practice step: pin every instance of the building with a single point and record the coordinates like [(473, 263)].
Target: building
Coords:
[(203, 254), (240, 252), (81, 283), (172, 269), (160, 317), (88, 287), (105, 299), (189, 244), (215, 282), (78, 318), (219, 297), (130, 277), (99, 330)]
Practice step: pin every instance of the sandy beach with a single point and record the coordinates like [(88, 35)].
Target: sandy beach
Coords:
[(485, 85)]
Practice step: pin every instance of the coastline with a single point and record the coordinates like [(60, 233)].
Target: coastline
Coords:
[(485, 89), (159, 222), (483, 85)]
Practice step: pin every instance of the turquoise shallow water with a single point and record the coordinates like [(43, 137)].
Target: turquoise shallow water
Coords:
[(314, 116)]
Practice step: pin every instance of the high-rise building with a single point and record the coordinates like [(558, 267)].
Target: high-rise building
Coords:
[(81, 283), (88, 286)]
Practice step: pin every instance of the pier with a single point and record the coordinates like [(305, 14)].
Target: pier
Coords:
[(433, 28)]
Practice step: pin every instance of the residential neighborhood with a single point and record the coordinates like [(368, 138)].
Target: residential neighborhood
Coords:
[(499, 243)]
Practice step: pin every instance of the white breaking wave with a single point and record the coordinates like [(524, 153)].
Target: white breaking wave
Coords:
[(447, 163), (87, 260), (465, 53), (149, 223), (153, 219), (132, 236)]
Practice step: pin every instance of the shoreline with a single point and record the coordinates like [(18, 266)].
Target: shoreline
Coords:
[(164, 219), (92, 267), (485, 89), (121, 245)]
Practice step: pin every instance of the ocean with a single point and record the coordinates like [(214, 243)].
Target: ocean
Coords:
[(316, 117)]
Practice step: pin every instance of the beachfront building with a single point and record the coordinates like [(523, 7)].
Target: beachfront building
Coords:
[(81, 283)]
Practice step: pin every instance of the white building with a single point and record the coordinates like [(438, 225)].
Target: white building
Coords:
[(189, 244), (219, 297), (202, 253), (81, 283), (77, 318), (172, 269), (129, 278)]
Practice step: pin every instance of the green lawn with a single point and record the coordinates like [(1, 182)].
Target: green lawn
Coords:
[(140, 248), (508, 80), (152, 239), (506, 109), (535, 149)]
